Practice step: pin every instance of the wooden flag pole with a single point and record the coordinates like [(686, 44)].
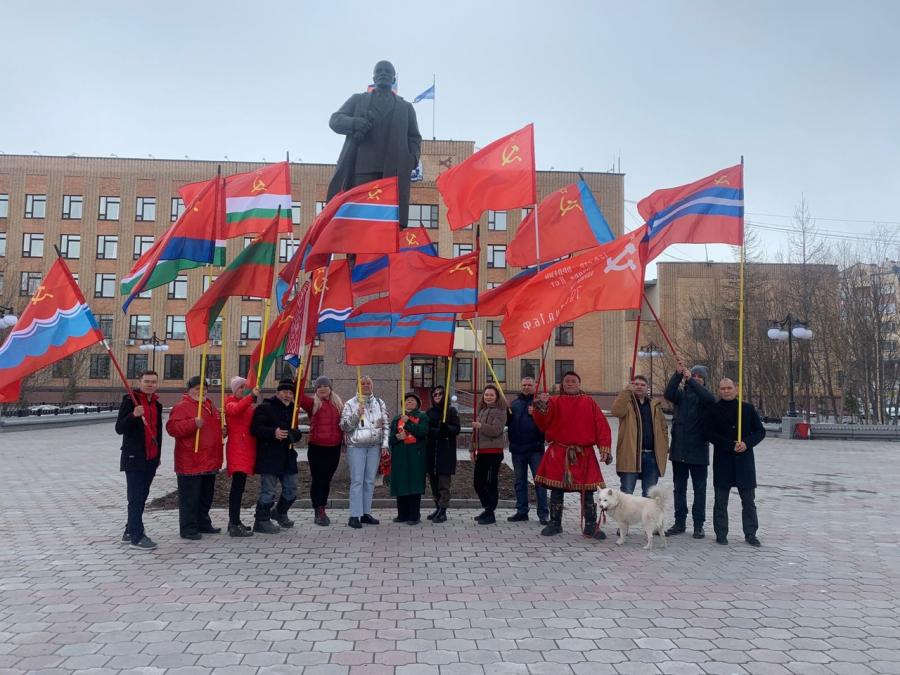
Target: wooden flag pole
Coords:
[(222, 368), (262, 342), (200, 400), (447, 388), (487, 360), (660, 326)]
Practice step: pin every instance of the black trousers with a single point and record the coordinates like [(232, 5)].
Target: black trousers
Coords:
[(487, 479), (137, 487), (698, 474), (408, 508), (195, 497), (440, 489), (236, 496), (323, 462), (557, 495), (748, 511)]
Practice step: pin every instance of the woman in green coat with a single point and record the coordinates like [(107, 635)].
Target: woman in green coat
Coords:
[(409, 432)]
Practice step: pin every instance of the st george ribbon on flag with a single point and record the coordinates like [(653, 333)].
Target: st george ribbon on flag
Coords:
[(427, 94)]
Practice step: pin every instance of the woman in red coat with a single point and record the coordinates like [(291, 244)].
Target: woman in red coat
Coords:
[(196, 471), (240, 450), (325, 439)]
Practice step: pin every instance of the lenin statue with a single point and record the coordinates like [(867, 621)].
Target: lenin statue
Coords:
[(382, 138)]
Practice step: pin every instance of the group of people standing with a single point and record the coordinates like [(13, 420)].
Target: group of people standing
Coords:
[(553, 437)]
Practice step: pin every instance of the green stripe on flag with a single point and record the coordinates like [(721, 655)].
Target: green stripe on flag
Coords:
[(263, 214)]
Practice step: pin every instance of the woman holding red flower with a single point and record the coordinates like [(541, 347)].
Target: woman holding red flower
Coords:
[(409, 432)]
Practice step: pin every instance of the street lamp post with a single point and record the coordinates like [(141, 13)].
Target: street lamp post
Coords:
[(649, 351), (7, 318), (154, 344), (787, 330)]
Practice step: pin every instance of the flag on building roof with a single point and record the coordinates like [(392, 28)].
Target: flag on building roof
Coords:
[(707, 211), (606, 277), (194, 240), (373, 334), (250, 274), (56, 323), (569, 220), (427, 94), (276, 338), (252, 199), (421, 284), (498, 177), (370, 271)]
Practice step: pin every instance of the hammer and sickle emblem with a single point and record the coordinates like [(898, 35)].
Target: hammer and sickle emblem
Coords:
[(319, 284), (510, 155), (463, 267), (566, 205), (284, 319), (722, 180), (616, 264), (41, 294), (258, 185), (446, 162), (375, 193), (411, 239)]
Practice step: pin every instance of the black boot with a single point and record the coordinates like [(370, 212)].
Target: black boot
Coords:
[(440, 516), (677, 528), (238, 530), (480, 515), (321, 518), (431, 515), (279, 513), (263, 522), (590, 519), (555, 526)]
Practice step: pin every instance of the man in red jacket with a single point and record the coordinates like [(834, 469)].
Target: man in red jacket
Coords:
[(196, 471)]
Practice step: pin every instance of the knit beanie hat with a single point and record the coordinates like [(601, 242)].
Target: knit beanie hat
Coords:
[(237, 383), (322, 381), (287, 384)]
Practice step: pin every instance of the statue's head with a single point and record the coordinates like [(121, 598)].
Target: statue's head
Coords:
[(384, 75)]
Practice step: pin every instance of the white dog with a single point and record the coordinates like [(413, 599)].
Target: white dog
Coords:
[(629, 510)]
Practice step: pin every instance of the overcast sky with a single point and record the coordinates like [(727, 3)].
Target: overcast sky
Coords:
[(806, 91)]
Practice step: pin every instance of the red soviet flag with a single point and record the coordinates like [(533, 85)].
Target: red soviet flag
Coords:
[(500, 176), (606, 277)]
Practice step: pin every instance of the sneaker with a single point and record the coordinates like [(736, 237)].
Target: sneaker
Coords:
[(518, 518), (239, 531), (369, 520), (145, 544), (753, 541), (193, 536), (722, 540), (354, 523), (698, 533), (480, 515), (266, 527), (487, 519), (675, 529)]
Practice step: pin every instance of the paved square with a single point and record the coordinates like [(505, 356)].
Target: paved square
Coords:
[(821, 596)]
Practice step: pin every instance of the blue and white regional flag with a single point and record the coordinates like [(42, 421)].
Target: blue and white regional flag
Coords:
[(428, 93)]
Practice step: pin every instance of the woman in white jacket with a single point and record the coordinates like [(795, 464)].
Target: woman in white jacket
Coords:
[(366, 425)]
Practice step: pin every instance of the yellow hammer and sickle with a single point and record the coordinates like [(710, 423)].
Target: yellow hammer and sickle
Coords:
[(375, 193), (319, 284), (463, 267), (566, 205), (41, 294), (722, 180), (411, 239), (258, 185), (510, 155)]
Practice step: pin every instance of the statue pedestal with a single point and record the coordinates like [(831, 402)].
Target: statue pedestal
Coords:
[(386, 378)]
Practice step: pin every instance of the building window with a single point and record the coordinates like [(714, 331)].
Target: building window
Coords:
[(422, 373), (146, 209), (250, 327), (286, 249), (208, 279), (139, 327), (178, 288), (142, 244), (493, 284), (295, 213), (109, 208), (565, 335), (2, 244), (497, 220), (496, 257), (28, 283), (32, 245), (243, 364), (175, 329), (499, 366), (561, 366), (99, 368), (176, 209), (730, 327), (215, 333), (529, 368), (73, 206), (701, 328), (70, 246), (316, 368), (425, 215), (106, 325), (319, 207), (104, 285), (4, 206), (62, 368), (464, 370), (137, 364), (107, 246), (461, 249), (35, 206), (173, 367), (526, 212), (492, 333), (282, 369)]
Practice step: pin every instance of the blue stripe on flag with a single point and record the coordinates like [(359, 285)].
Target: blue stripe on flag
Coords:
[(42, 334), (363, 271), (599, 226), (699, 208), (188, 248), (443, 296), (729, 194), (355, 211)]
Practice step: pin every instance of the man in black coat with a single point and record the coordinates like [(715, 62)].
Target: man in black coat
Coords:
[(140, 426), (276, 459), (733, 462), (689, 449), (383, 139), (440, 452)]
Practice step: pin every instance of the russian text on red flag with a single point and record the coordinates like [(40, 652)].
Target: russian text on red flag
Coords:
[(569, 220), (499, 176), (606, 277), (56, 323), (422, 284), (707, 211)]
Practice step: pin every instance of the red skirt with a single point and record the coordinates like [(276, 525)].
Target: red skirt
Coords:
[(571, 468)]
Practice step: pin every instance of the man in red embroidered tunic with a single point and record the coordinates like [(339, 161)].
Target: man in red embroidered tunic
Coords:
[(573, 424)]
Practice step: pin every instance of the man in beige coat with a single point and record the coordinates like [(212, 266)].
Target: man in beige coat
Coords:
[(642, 446)]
